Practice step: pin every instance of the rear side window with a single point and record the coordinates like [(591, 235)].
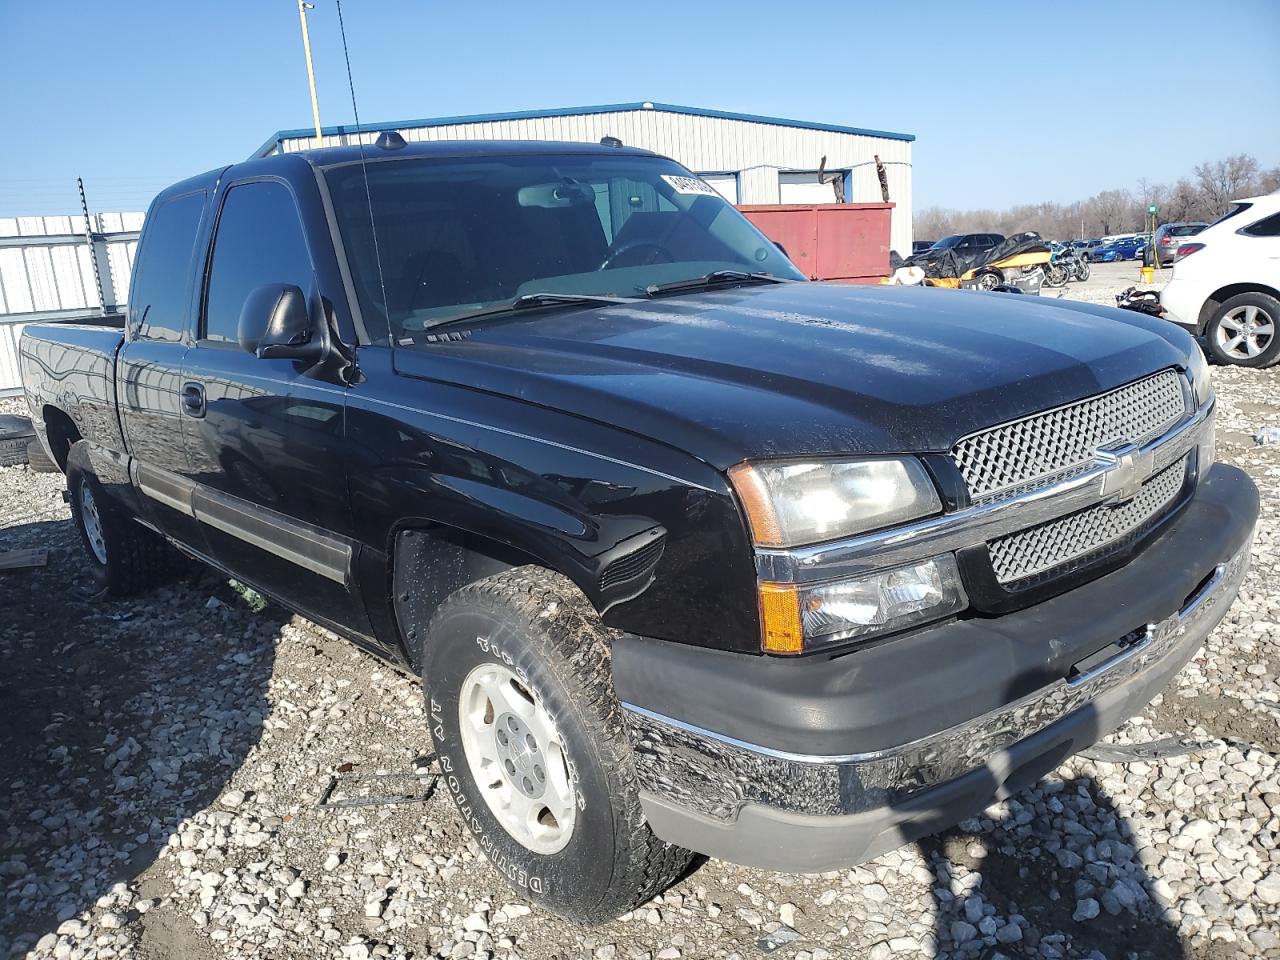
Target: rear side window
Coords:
[(158, 299), (1235, 211), (1266, 227), (259, 241)]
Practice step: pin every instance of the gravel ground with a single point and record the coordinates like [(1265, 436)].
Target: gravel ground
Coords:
[(182, 776)]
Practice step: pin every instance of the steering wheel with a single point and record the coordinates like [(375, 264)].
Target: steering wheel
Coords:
[(611, 260)]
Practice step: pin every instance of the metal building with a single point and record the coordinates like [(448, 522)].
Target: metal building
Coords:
[(748, 158)]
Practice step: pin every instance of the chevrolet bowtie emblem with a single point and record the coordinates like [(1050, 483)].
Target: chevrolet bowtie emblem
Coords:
[(1126, 469)]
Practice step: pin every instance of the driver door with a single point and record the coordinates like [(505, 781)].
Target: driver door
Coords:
[(263, 441)]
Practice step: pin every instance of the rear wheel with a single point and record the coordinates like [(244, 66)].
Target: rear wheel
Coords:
[(124, 557), (1082, 270), (532, 747), (1243, 330)]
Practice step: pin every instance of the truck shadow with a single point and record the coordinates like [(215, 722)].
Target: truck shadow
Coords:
[(1060, 857), (120, 719)]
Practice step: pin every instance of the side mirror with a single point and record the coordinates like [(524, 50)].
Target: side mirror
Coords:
[(276, 324)]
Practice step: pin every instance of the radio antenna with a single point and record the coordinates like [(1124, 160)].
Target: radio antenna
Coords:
[(364, 170)]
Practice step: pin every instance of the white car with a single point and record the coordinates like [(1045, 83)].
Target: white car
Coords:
[(1226, 284)]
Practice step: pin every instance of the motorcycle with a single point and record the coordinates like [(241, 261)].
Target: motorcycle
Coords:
[(1056, 271), (1065, 265)]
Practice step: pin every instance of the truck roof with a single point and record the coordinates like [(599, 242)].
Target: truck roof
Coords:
[(334, 156), (329, 156)]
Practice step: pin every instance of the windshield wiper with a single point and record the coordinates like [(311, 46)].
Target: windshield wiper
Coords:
[(713, 279), (527, 301)]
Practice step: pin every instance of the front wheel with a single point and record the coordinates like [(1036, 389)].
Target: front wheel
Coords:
[(1243, 331), (1056, 275), (532, 746), (990, 280)]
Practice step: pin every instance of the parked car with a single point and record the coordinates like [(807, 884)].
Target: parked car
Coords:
[(920, 246), (1169, 236), (1104, 253), (1130, 248), (1226, 284), (691, 554), (967, 244), (1118, 248)]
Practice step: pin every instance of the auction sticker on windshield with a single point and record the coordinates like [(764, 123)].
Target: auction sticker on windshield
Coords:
[(690, 185)]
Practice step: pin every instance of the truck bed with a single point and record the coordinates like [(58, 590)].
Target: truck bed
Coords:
[(70, 367)]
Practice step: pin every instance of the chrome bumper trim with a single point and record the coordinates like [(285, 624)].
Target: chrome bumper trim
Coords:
[(715, 774), (857, 556)]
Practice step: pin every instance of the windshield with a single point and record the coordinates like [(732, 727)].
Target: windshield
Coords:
[(458, 235), (947, 243), (1186, 230)]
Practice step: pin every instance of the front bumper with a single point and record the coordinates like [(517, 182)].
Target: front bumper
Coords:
[(741, 791)]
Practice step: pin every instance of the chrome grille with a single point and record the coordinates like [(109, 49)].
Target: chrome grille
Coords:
[(1071, 542), (1053, 445)]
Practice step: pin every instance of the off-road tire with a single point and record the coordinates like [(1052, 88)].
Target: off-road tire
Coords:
[(540, 626), (137, 558), (1267, 305)]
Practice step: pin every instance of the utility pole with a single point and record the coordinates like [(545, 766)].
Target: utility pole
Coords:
[(303, 7)]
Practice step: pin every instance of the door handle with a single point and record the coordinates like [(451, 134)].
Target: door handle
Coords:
[(193, 404)]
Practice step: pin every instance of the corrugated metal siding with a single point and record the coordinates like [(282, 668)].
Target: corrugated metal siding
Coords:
[(756, 150), (10, 379), (46, 266), (55, 270)]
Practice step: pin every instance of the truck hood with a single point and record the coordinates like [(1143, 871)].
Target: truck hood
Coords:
[(805, 368)]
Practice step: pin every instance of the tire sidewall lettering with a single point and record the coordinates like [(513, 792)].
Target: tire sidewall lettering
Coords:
[(537, 874)]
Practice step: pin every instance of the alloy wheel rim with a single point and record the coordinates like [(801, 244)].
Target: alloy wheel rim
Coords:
[(517, 758), (92, 523), (1245, 332)]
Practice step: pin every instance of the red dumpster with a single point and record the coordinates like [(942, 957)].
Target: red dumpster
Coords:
[(829, 241)]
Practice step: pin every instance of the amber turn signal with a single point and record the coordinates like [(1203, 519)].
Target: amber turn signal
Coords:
[(758, 505), (780, 628)]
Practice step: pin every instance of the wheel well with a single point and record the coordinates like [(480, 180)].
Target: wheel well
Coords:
[(429, 564), (61, 433), (1219, 297)]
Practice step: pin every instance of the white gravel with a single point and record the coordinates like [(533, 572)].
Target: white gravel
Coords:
[(164, 762)]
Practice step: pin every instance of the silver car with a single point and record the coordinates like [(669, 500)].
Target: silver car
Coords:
[(1169, 236)]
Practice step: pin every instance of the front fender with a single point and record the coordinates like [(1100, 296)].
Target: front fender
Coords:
[(651, 536)]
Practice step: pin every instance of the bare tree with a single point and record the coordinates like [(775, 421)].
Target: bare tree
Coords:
[(1113, 210), (1222, 181), (1204, 196)]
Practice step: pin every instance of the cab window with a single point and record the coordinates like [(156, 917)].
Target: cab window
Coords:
[(259, 241), (159, 297)]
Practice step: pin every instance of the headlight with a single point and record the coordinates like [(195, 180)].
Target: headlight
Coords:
[(794, 502), (797, 618), (1202, 390), (1198, 371)]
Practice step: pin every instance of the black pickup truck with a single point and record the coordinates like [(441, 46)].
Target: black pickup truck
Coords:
[(692, 555)]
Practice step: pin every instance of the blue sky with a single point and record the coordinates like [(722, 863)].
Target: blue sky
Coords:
[(1025, 102)]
